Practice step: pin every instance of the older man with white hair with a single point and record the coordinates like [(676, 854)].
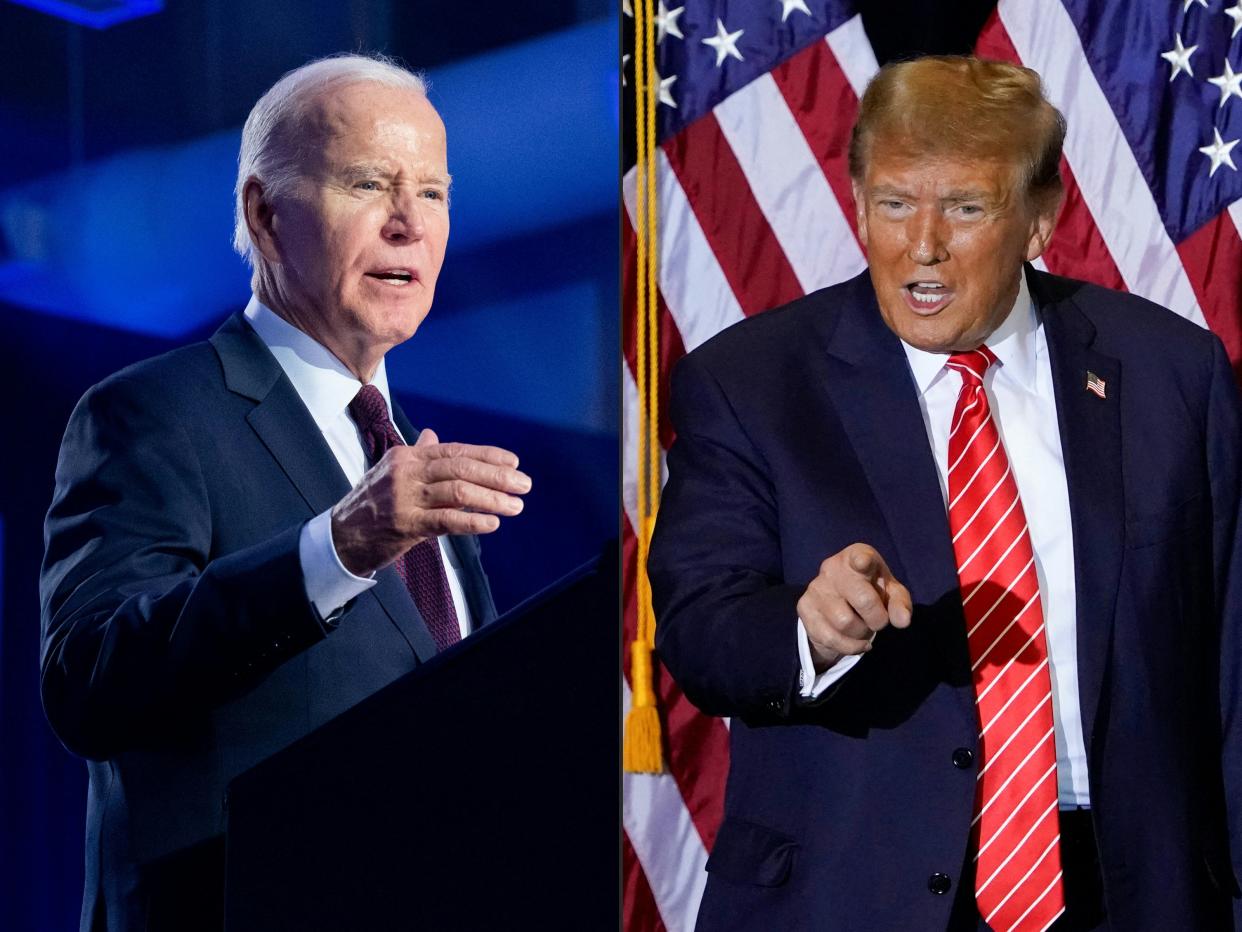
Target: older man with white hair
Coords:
[(242, 544)]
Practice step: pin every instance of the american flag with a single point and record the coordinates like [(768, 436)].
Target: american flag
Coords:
[(1153, 192), (757, 102)]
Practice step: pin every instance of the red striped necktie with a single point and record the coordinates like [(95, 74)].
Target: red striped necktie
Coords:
[(1016, 833)]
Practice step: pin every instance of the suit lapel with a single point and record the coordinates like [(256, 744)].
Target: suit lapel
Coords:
[(1090, 429), (397, 603), (293, 438), (279, 417), (876, 399)]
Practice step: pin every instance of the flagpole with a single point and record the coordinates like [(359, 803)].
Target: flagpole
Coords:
[(642, 745)]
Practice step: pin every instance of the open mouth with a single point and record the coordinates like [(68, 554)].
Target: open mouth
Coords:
[(398, 277), (927, 296)]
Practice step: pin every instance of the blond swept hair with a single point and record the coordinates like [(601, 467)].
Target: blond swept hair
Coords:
[(962, 107)]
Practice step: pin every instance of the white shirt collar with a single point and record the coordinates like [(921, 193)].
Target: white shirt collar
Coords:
[(1015, 343), (321, 380)]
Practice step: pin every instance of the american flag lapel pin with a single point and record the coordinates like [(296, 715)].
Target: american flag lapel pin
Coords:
[(1095, 384)]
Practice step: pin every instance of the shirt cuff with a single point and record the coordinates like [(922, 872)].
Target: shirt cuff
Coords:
[(811, 685), (328, 584)]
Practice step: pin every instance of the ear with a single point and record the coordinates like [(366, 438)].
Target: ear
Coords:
[(860, 211), (259, 217), (1047, 210)]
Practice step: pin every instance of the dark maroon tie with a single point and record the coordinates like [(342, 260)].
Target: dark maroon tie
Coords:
[(420, 567)]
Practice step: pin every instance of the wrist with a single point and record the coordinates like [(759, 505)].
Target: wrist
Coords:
[(352, 558), (822, 658)]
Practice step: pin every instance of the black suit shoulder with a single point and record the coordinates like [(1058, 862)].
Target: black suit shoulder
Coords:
[(1164, 358), (1127, 326), (195, 362), (165, 384), (779, 337)]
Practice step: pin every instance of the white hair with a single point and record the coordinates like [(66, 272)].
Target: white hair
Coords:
[(282, 109)]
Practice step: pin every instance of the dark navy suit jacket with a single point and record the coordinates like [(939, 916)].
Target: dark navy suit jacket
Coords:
[(798, 433), (179, 647)]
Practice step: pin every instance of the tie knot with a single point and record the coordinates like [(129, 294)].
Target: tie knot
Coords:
[(972, 364), (369, 410)]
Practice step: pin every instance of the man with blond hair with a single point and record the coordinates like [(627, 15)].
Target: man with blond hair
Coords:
[(241, 544), (955, 544)]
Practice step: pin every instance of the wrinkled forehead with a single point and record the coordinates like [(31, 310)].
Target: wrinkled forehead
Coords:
[(343, 120)]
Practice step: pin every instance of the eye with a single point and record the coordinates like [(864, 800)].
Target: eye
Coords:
[(367, 185), (891, 207), (434, 194), (970, 210)]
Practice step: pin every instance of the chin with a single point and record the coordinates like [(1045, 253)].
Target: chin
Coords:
[(931, 339), (396, 325), (395, 335), (921, 333)]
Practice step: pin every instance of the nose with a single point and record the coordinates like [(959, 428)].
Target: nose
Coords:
[(926, 235), (405, 221)]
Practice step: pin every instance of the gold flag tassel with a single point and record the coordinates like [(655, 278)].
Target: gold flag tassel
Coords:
[(642, 750)]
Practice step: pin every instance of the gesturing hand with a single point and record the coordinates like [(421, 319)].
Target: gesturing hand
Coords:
[(424, 490), (853, 597)]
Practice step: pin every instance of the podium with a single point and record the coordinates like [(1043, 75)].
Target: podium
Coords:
[(481, 791)]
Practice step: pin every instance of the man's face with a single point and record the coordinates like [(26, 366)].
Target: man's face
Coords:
[(945, 244), (361, 239)]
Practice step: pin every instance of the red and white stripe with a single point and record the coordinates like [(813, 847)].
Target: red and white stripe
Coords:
[(766, 166), (1110, 231), (1018, 859), (771, 217)]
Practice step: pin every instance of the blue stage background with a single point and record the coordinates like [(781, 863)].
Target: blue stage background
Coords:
[(117, 159)]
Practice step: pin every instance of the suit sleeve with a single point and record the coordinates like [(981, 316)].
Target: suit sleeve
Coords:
[(142, 623), (726, 619), (1224, 442)]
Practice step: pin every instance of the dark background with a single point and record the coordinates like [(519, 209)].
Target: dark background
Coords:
[(117, 159)]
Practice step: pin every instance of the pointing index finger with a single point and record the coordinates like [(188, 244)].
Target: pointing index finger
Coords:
[(897, 600), (866, 561)]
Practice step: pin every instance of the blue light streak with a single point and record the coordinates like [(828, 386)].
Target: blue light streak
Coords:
[(97, 14)]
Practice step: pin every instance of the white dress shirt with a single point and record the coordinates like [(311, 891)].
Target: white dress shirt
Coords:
[(327, 387), (1019, 390)]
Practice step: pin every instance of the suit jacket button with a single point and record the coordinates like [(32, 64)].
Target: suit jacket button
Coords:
[(963, 758), (775, 705), (939, 884)]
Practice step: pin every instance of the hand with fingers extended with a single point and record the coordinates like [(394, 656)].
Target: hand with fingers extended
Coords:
[(421, 491), (853, 596)]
